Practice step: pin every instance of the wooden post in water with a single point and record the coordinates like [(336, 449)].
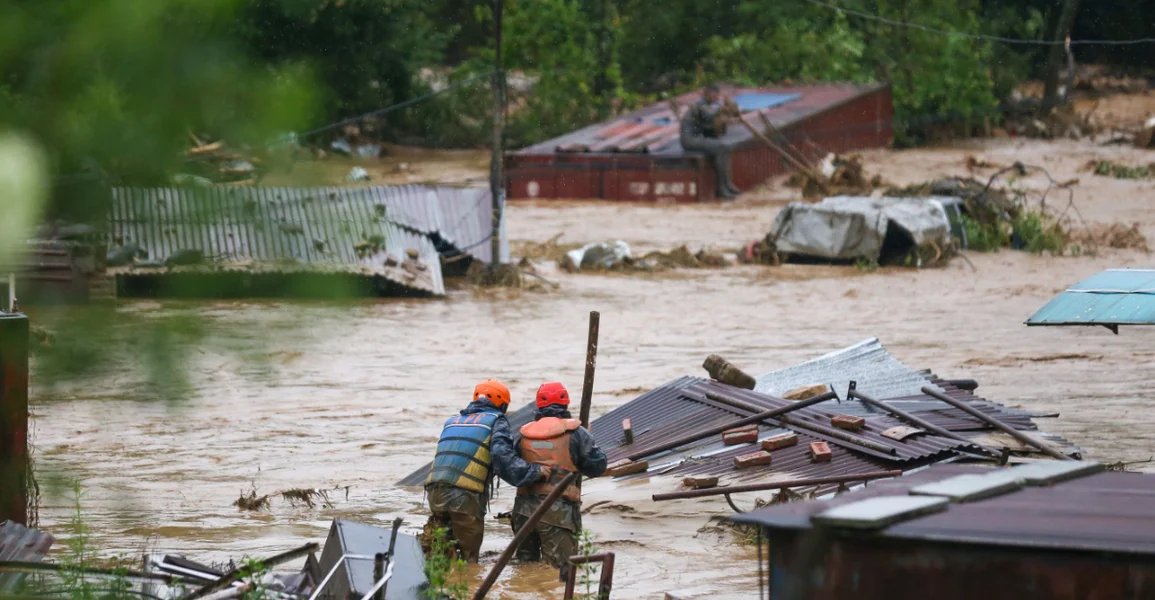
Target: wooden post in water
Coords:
[(591, 364), (14, 417)]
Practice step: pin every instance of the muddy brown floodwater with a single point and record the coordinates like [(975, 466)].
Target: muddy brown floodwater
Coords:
[(313, 395)]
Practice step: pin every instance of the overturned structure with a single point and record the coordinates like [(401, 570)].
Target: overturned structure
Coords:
[(241, 242), (882, 230)]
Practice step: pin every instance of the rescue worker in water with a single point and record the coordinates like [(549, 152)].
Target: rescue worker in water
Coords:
[(557, 441), (473, 446)]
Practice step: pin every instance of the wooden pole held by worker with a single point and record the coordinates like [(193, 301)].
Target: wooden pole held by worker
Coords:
[(591, 364), (522, 534)]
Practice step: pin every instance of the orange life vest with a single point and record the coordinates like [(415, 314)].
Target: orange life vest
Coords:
[(546, 442)]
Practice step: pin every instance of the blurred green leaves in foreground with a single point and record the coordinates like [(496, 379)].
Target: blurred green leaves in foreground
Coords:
[(108, 92), (114, 88)]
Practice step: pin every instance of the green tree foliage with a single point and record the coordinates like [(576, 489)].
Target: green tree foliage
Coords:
[(556, 42), (113, 87), (367, 53)]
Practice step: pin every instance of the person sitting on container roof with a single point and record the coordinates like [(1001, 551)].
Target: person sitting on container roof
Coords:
[(700, 132), (559, 443), (471, 448)]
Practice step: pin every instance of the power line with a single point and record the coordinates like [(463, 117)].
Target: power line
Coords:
[(978, 36), (399, 105)]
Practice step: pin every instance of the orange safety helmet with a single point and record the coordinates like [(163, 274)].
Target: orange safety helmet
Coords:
[(494, 391), (552, 392)]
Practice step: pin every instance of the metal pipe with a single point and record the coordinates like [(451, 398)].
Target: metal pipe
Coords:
[(693, 437), (923, 423), (392, 546), (775, 485), (831, 432), (521, 536), (997, 424), (228, 578), (14, 566), (591, 364)]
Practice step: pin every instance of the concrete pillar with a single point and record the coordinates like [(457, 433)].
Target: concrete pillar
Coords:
[(14, 417)]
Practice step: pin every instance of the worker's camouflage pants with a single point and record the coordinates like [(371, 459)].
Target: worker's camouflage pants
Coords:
[(459, 512), (548, 543)]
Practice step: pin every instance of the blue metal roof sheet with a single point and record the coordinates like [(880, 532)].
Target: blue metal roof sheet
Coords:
[(1111, 298)]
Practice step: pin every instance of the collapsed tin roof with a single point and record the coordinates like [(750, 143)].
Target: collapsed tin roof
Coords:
[(393, 234), (687, 406)]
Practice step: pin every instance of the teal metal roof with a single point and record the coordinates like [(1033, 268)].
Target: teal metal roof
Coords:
[(1112, 298)]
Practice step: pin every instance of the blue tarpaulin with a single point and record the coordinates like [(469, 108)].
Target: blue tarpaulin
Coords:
[(1111, 298), (759, 101)]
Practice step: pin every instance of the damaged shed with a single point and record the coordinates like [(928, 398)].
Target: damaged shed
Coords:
[(639, 157), (294, 241)]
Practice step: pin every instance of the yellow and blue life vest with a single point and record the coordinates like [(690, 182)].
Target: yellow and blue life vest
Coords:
[(463, 458)]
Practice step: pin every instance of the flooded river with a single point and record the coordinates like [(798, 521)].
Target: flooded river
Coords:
[(351, 397)]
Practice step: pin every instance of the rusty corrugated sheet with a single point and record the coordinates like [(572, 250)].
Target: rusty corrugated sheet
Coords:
[(655, 129), (1103, 512), (21, 544)]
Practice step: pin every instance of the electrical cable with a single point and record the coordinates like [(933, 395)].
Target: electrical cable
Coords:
[(979, 36)]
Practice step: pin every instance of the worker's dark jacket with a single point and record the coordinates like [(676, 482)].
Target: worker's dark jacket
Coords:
[(699, 120), (475, 445), (586, 456)]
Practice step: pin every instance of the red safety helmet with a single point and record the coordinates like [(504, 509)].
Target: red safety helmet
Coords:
[(494, 391), (552, 392)]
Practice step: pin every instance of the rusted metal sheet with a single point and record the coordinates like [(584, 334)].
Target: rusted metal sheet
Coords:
[(639, 157), (14, 343), (1088, 537), (20, 544), (356, 231)]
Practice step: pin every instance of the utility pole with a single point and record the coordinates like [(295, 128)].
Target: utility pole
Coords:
[(1055, 57), (496, 176)]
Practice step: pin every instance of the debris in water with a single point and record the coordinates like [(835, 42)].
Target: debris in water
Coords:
[(299, 496), (252, 501), (1115, 235), (356, 175), (1108, 168)]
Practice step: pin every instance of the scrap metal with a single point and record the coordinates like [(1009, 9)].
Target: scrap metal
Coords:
[(20, 544), (1074, 530)]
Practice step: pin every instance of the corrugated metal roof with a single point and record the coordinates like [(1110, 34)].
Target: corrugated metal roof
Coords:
[(680, 408), (308, 229), (1107, 511), (1112, 298), (668, 413), (21, 544), (655, 129), (877, 372)]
